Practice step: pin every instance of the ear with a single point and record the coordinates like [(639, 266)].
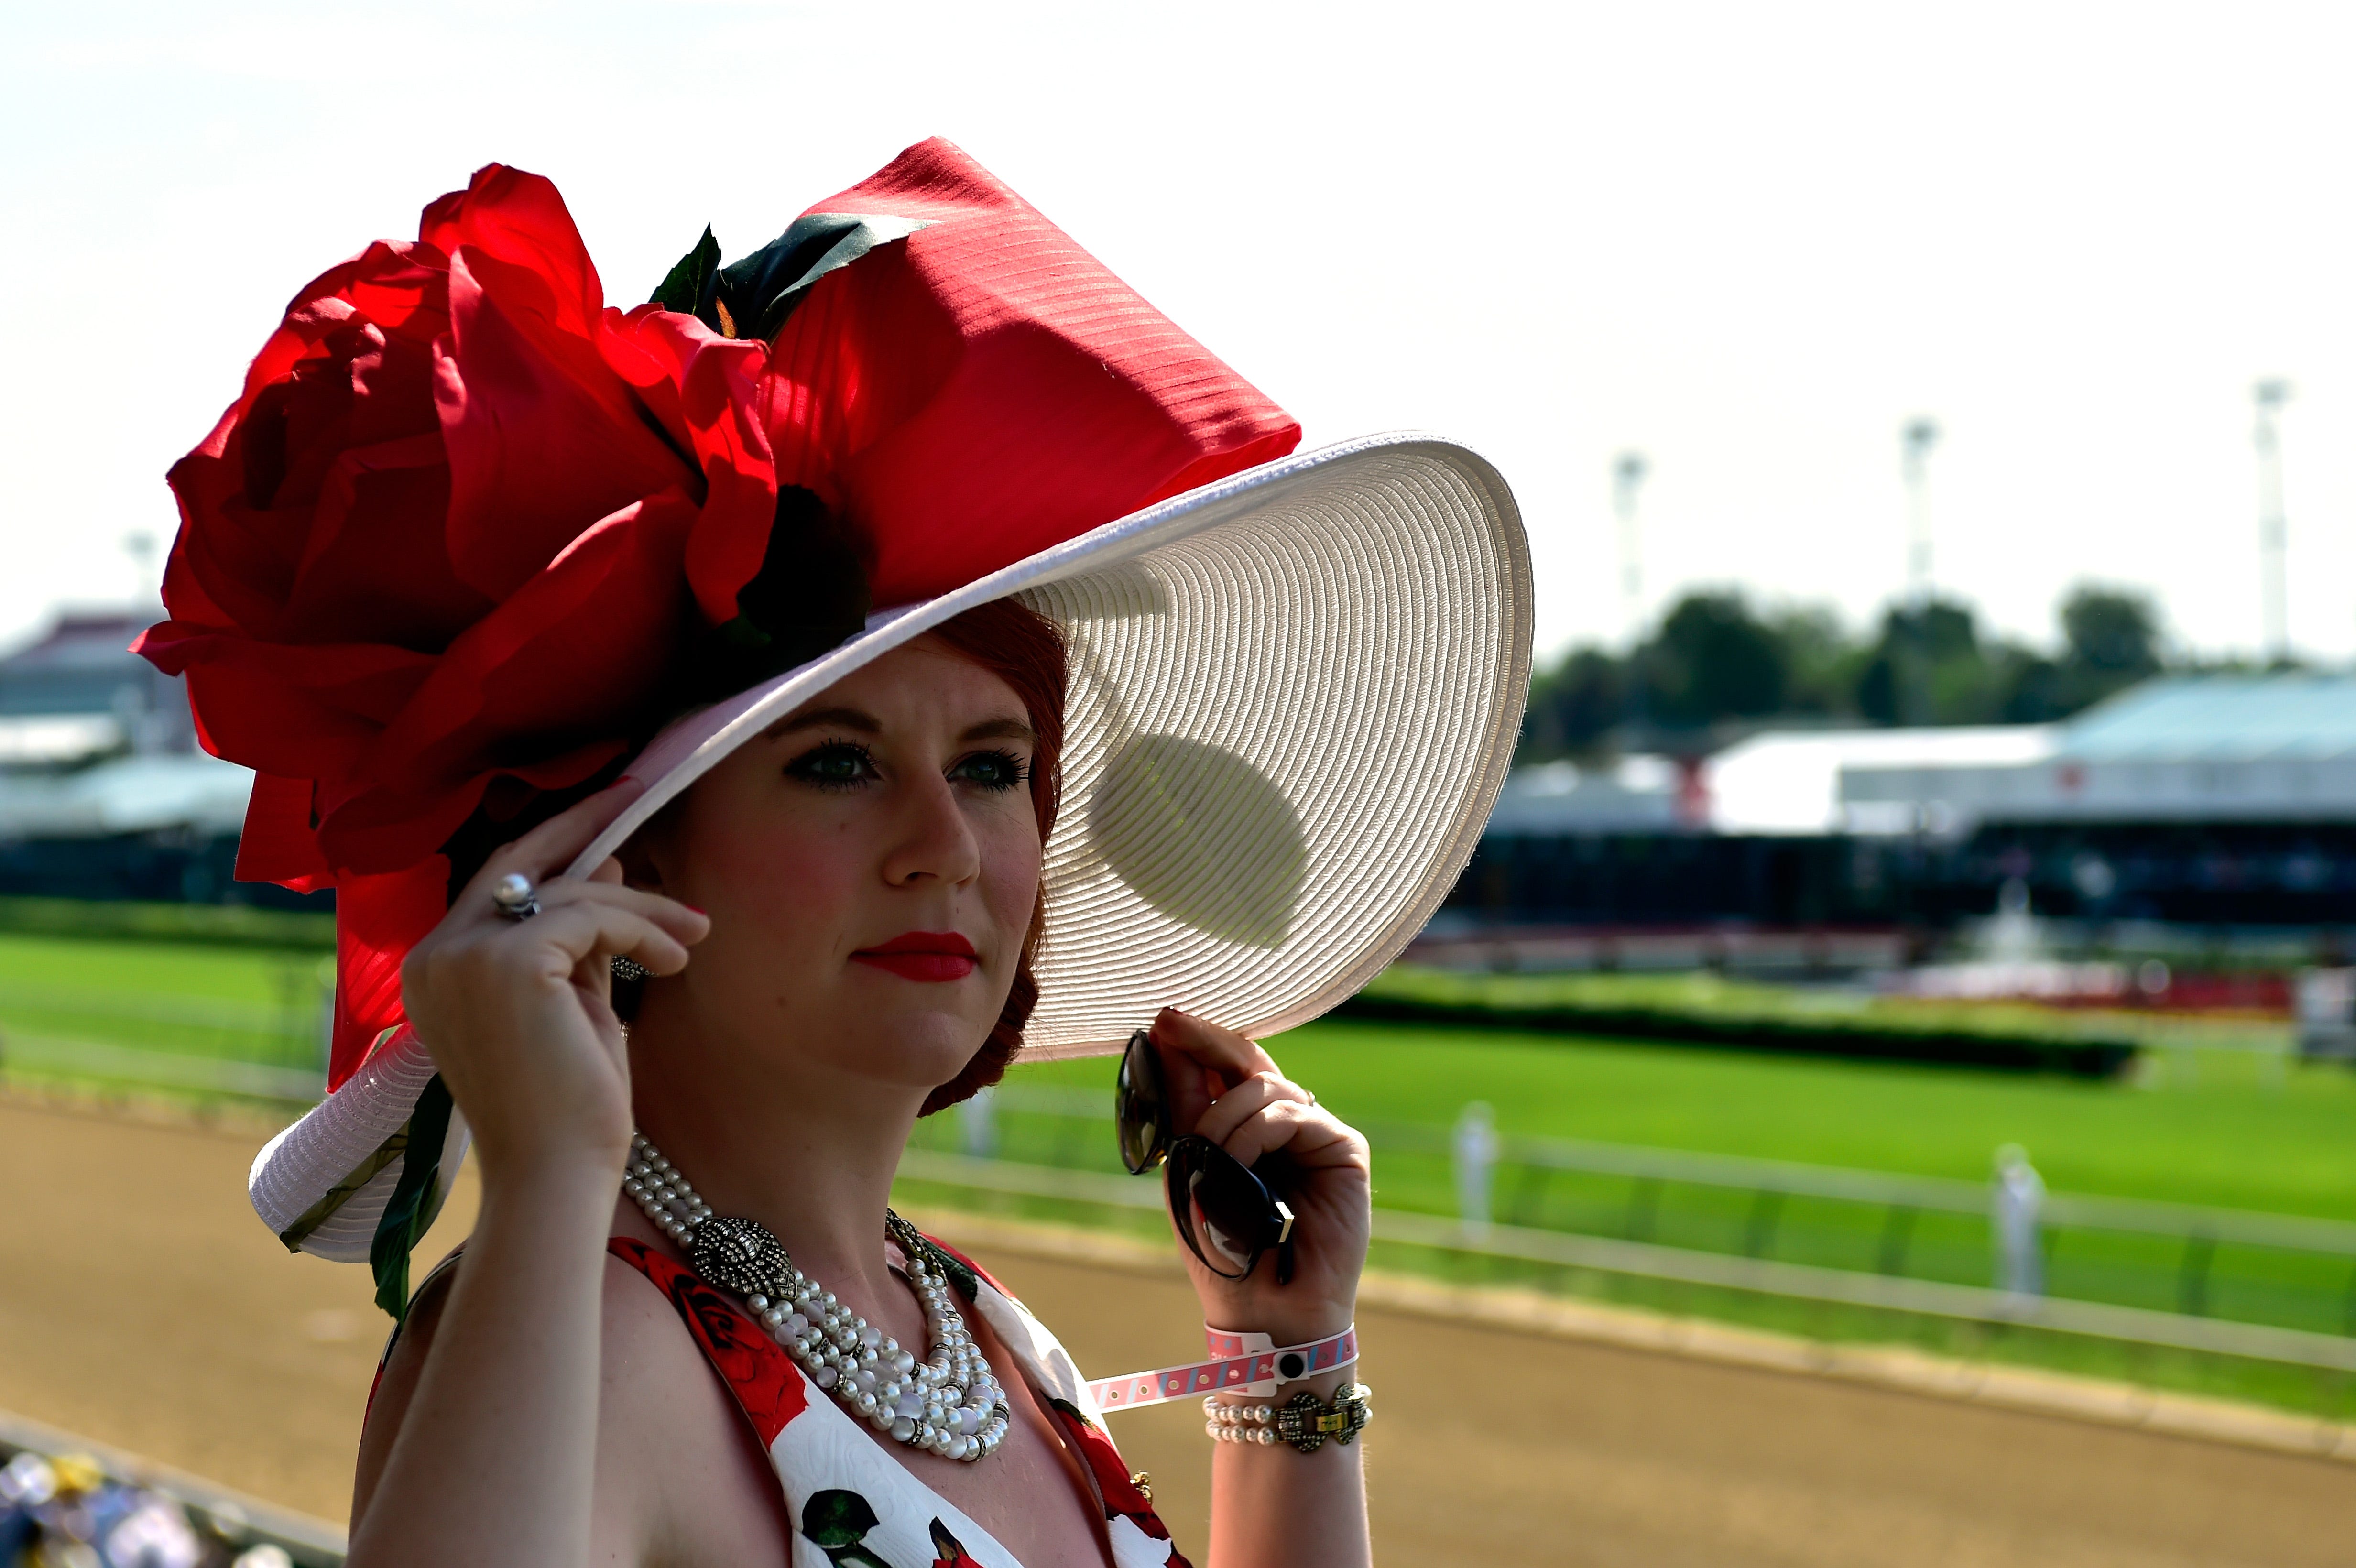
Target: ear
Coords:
[(643, 857)]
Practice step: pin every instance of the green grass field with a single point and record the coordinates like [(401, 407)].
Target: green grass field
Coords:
[(2208, 1126), (2215, 1127), (2226, 1131), (161, 997)]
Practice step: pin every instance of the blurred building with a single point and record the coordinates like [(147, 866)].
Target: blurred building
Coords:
[(1632, 794), (78, 694), (2212, 800), (2181, 749), (2207, 800), (103, 791)]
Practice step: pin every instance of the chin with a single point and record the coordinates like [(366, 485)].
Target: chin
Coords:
[(916, 1050)]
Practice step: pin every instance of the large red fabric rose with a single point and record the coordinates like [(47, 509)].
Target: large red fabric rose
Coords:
[(454, 530)]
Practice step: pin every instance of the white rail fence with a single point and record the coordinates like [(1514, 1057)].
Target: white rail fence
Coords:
[(2198, 1230), (2289, 1347)]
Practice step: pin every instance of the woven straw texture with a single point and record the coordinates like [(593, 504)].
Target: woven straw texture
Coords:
[(1286, 732)]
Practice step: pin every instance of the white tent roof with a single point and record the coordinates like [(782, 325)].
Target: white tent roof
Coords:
[(132, 794), (1792, 782)]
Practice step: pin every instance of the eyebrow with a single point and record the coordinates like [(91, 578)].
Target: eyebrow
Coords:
[(867, 723), (827, 718)]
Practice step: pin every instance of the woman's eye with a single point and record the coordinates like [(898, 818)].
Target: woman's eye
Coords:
[(838, 764), (991, 770)]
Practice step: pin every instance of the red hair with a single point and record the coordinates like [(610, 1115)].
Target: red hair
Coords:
[(1026, 651)]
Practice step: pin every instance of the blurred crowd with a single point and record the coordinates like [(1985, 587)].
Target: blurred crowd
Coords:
[(67, 1512)]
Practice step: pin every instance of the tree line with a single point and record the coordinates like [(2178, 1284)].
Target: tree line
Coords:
[(1718, 663)]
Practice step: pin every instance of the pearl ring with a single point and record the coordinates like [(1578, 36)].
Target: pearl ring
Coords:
[(514, 896)]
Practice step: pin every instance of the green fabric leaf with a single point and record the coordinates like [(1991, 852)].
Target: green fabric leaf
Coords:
[(809, 595), (416, 1199), (336, 1197), (687, 288), (835, 1518), (762, 290), (740, 636)]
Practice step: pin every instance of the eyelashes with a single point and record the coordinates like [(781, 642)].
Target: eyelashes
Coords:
[(995, 771), (834, 765), (846, 765)]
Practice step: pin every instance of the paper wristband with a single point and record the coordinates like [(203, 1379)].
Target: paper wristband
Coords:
[(1247, 1363)]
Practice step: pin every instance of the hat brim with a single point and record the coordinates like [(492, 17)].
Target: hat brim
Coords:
[(1294, 696)]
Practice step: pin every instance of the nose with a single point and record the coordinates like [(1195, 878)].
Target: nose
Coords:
[(931, 841)]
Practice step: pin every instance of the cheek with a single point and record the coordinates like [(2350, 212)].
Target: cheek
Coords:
[(1011, 871), (784, 883)]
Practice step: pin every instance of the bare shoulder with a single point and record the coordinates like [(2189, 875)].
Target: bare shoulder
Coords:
[(677, 1460), (396, 1384), (681, 1477)]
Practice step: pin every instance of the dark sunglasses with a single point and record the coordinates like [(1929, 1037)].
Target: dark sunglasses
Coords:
[(1224, 1210)]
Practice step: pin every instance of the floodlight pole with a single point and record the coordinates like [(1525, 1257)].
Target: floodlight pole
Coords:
[(1914, 443), (1915, 440), (1628, 471), (141, 547), (2274, 584)]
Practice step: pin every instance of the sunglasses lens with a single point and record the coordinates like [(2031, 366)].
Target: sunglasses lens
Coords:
[(1141, 1110), (1224, 1211)]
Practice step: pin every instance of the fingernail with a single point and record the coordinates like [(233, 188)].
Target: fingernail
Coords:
[(697, 911)]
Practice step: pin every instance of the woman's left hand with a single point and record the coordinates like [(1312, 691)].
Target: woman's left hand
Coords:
[(1228, 1089)]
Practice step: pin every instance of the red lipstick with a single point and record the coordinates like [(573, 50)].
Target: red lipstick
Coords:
[(923, 955)]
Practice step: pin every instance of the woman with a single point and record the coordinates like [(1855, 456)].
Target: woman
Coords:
[(837, 884)]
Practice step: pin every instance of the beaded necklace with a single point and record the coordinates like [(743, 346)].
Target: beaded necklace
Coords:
[(949, 1403)]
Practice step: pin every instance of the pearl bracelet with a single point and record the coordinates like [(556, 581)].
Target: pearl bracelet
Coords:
[(1238, 1423), (1305, 1421)]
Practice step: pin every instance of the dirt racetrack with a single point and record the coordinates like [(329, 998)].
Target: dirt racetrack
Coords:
[(141, 1305)]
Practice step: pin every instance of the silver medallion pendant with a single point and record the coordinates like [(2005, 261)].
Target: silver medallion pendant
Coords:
[(741, 1256)]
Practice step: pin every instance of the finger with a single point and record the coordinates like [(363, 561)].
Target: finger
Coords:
[(1227, 1113), (554, 842), (1222, 1050), (1309, 1137), (1192, 1091), (1201, 1061), (595, 974), (571, 932), (687, 923)]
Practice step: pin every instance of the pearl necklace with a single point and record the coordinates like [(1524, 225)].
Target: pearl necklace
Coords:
[(949, 1403)]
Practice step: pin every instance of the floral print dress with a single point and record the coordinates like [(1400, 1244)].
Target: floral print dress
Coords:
[(853, 1505)]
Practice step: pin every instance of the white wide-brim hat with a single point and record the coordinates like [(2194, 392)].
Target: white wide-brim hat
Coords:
[(1294, 694)]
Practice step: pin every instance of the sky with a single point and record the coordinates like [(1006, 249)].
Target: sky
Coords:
[(1750, 242)]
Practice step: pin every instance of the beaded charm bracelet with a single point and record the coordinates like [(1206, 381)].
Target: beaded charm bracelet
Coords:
[(1305, 1421)]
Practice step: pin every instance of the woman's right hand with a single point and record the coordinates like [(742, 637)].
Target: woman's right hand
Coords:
[(517, 1012)]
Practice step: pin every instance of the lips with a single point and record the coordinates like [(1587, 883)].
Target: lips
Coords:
[(935, 956)]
